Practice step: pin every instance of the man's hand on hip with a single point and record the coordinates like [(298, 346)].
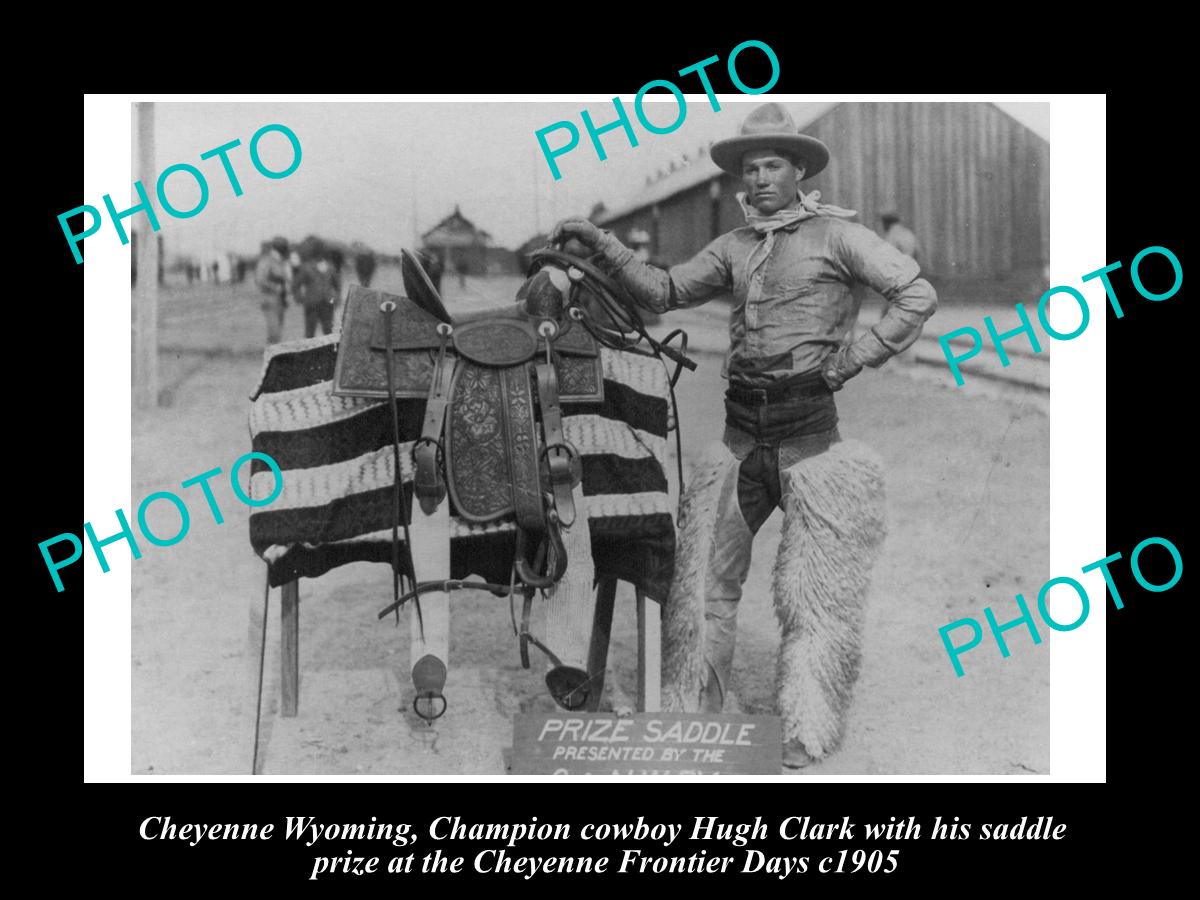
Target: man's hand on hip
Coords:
[(840, 367)]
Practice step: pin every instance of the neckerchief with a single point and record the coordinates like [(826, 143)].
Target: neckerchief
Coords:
[(810, 206)]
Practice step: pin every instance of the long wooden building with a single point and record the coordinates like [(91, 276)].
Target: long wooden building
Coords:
[(971, 181)]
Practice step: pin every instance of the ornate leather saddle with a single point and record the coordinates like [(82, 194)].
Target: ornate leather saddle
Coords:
[(492, 441), (492, 436), (493, 382)]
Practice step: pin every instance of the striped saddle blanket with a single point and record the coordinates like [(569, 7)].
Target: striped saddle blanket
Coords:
[(335, 454)]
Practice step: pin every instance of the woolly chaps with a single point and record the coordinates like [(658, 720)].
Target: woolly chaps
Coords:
[(832, 532)]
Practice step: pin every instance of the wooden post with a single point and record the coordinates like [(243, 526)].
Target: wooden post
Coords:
[(649, 620), (257, 654), (145, 292), (289, 640), (602, 616), (571, 604)]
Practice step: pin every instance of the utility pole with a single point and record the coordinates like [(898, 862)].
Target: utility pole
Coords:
[(537, 193), (416, 231), (145, 292)]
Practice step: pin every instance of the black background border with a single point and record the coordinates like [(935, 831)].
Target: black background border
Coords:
[(1147, 391)]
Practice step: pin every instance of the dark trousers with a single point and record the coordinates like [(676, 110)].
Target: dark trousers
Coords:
[(777, 434), (273, 309), (320, 312)]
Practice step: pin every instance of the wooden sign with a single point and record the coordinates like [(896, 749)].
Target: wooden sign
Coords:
[(646, 744)]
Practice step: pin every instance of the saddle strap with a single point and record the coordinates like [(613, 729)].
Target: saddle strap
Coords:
[(570, 612), (562, 459), (521, 427), (428, 483), (400, 513)]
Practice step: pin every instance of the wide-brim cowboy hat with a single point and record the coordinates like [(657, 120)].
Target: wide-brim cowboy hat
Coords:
[(770, 126)]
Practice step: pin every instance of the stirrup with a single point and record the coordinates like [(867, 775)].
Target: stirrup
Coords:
[(569, 686), (429, 678)]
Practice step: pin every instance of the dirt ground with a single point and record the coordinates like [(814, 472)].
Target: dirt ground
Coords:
[(968, 518)]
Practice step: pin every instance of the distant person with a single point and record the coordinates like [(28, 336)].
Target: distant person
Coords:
[(900, 236), (461, 268), (336, 262), (364, 266), (273, 275), (316, 286)]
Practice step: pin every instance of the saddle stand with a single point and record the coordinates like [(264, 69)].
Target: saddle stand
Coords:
[(491, 443)]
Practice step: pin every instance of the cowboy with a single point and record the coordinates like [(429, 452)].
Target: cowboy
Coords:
[(364, 267), (317, 285), (273, 276), (790, 270)]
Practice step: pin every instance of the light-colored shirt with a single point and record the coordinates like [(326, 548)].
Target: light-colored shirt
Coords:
[(272, 275), (797, 307)]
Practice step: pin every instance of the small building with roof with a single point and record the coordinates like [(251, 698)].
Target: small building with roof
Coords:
[(464, 247)]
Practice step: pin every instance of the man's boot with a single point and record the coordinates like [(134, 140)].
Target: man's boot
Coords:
[(794, 755)]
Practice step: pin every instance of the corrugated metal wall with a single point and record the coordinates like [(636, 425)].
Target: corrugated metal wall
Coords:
[(973, 183)]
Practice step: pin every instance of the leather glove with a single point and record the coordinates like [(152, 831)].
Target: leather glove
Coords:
[(840, 367), (580, 229)]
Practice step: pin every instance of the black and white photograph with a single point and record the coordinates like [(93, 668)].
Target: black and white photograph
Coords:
[(482, 411)]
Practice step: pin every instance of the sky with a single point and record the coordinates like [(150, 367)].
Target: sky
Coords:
[(382, 173)]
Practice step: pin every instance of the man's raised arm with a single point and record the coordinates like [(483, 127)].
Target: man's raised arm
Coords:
[(703, 276)]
